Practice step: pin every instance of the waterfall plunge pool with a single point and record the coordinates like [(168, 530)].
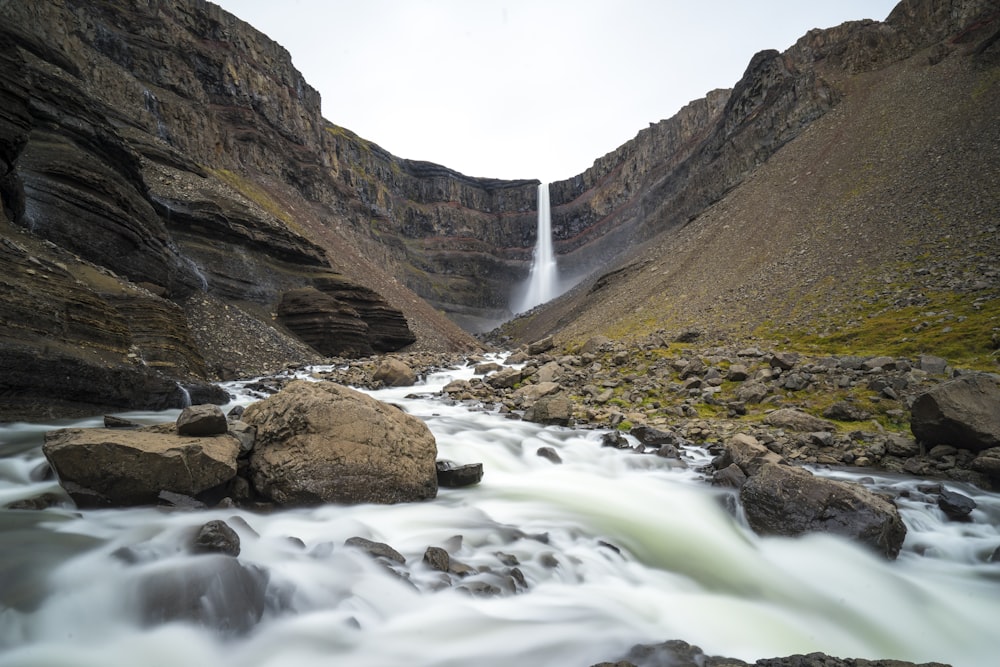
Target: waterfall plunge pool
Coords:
[(615, 548)]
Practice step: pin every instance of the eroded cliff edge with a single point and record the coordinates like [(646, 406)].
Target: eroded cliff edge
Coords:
[(174, 211)]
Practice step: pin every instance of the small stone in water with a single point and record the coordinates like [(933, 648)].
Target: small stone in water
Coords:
[(955, 505)]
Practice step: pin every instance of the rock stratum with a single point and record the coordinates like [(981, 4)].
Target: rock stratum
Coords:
[(176, 210)]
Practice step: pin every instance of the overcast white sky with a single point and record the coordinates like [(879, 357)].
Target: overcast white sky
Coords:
[(526, 88)]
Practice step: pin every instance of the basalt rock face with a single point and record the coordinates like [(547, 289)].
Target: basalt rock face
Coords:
[(161, 162), (677, 168)]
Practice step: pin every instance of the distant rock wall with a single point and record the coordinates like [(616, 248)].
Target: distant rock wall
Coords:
[(676, 168)]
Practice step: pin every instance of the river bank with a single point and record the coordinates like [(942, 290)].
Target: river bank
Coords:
[(615, 548)]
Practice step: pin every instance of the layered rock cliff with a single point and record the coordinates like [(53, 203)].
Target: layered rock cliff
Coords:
[(165, 166), (171, 160), (675, 169)]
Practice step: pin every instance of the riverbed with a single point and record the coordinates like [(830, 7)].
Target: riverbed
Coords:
[(613, 548)]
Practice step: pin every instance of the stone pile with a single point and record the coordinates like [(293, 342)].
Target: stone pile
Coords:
[(827, 410)]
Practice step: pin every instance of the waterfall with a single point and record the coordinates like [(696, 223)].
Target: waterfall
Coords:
[(542, 282), (185, 395)]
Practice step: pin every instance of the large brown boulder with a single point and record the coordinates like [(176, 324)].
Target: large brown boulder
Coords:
[(101, 467), (394, 373), (964, 413), (781, 500), (319, 442)]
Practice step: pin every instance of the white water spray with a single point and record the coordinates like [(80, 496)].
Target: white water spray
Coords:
[(543, 280)]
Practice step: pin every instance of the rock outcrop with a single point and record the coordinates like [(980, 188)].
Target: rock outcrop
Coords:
[(782, 500), (150, 178), (318, 442), (963, 413)]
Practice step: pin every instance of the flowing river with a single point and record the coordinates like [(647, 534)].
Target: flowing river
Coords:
[(616, 548)]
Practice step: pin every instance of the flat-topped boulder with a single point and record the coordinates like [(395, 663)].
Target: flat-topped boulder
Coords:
[(103, 467)]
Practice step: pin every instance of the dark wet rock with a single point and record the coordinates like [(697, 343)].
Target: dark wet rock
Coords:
[(549, 453), (668, 451), (245, 434), (956, 506), (781, 500), (652, 437), (731, 477), (216, 537), (480, 589), (202, 420), (675, 653), (39, 502), (614, 439), (206, 392), (179, 501), (988, 462), (437, 558), (964, 412), (455, 475), (111, 421), (213, 591), (376, 549)]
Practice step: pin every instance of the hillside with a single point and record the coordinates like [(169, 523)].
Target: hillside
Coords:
[(874, 230), (176, 211)]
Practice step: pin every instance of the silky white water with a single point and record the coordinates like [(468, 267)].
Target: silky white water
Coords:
[(616, 548), (543, 279)]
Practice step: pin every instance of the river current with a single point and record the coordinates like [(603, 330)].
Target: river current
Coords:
[(616, 548)]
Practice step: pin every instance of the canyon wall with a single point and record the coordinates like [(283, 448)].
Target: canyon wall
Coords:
[(162, 161)]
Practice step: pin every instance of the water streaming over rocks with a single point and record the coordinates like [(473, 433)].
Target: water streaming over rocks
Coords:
[(551, 564), (543, 280)]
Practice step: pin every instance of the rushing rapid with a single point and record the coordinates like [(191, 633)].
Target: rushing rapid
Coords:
[(615, 548)]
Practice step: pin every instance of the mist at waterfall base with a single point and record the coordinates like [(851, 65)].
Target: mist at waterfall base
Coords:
[(543, 283), (616, 548)]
